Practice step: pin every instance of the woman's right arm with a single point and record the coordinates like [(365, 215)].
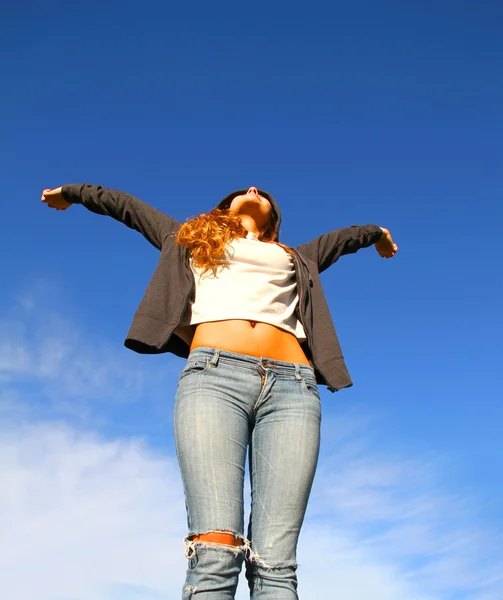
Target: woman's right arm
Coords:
[(151, 223)]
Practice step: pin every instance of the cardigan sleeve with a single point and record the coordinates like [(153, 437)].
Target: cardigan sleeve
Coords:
[(150, 222), (326, 249)]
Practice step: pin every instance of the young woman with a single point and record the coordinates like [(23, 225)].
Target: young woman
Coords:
[(250, 316)]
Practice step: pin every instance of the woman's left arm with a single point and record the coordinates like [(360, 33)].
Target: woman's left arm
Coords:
[(329, 247)]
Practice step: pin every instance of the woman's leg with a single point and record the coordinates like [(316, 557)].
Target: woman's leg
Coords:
[(211, 433), (283, 456)]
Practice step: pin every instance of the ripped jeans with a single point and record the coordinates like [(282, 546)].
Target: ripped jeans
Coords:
[(228, 404)]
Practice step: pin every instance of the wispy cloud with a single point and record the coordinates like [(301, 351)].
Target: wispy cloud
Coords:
[(54, 352), (397, 511), (48, 359)]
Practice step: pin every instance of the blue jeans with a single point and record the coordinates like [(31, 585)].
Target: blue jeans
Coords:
[(228, 404)]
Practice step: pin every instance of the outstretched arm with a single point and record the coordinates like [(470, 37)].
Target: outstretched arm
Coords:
[(151, 223), (329, 247)]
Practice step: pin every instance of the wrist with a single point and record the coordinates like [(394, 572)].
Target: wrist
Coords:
[(71, 193)]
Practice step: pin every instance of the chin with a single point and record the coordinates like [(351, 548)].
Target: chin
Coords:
[(239, 203), (251, 198)]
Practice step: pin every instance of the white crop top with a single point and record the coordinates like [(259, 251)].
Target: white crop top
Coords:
[(256, 282)]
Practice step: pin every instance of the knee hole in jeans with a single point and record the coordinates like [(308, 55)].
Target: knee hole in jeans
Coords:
[(218, 537)]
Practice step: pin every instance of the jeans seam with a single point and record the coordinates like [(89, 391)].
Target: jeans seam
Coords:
[(306, 388)]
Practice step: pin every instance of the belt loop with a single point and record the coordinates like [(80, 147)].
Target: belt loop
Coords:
[(215, 357), (298, 376)]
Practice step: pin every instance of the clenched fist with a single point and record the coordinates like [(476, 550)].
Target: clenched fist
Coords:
[(386, 247), (54, 199)]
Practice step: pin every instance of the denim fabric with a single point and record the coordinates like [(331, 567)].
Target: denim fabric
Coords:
[(228, 404)]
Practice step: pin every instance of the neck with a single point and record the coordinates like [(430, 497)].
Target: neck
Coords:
[(249, 224)]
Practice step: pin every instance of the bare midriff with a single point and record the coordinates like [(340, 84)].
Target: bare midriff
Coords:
[(250, 337)]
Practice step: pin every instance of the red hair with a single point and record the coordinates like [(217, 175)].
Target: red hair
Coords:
[(207, 237)]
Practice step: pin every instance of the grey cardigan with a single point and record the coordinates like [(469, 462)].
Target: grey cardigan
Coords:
[(166, 303)]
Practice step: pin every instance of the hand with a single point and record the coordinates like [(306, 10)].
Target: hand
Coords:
[(54, 199), (385, 245)]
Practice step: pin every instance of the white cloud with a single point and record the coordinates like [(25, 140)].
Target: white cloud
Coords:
[(78, 514)]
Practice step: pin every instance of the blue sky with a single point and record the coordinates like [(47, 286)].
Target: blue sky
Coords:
[(362, 112)]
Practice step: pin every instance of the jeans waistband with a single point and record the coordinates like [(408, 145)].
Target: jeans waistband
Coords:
[(251, 362)]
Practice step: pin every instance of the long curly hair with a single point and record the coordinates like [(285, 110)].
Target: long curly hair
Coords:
[(208, 234)]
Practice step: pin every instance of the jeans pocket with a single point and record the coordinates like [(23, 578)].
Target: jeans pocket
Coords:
[(193, 367), (311, 387)]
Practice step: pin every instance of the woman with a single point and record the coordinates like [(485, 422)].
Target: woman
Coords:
[(251, 318)]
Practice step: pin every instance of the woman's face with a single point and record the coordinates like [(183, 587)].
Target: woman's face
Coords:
[(254, 205)]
